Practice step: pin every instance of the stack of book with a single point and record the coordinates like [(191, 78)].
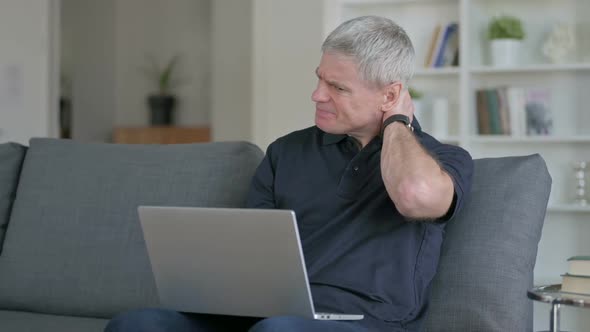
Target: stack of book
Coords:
[(577, 279), (513, 111), (444, 46)]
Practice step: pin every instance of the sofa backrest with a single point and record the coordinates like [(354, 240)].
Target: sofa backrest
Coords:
[(74, 245), (490, 249), (11, 158)]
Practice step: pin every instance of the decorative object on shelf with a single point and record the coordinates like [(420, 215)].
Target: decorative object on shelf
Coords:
[(440, 117), (506, 35), (580, 176), (539, 120), (560, 43), (162, 103)]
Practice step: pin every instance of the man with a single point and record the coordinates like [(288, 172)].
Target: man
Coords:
[(371, 192)]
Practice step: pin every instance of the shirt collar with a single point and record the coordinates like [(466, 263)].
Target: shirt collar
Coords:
[(332, 138), (328, 138)]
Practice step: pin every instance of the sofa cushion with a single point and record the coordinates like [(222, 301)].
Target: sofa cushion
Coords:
[(17, 321), (11, 157), (74, 245), (490, 248)]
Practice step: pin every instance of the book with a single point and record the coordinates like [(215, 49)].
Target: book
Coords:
[(494, 112), (456, 61), (437, 45), (579, 265), (451, 54), (483, 121), (575, 284), (433, 44), (539, 120), (516, 106), (503, 111), (448, 45), (517, 111), (444, 46)]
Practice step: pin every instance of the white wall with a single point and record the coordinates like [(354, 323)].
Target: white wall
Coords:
[(231, 79), (107, 43), (282, 62), (88, 62), (287, 41), (261, 53), (162, 29), (27, 101)]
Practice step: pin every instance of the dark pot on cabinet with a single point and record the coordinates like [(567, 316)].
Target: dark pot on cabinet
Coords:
[(161, 109), (65, 117)]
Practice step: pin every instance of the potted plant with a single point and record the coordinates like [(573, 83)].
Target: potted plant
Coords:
[(415, 93), (506, 34), (162, 102), (65, 107)]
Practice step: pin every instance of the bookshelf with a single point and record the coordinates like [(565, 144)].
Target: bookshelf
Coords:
[(567, 226), (531, 68), (450, 71), (555, 208)]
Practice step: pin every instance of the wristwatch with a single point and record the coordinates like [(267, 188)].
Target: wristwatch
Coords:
[(397, 118)]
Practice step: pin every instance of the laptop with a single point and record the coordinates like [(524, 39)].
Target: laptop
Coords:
[(240, 262)]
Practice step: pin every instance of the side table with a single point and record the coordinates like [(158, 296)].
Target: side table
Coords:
[(553, 294), (161, 135)]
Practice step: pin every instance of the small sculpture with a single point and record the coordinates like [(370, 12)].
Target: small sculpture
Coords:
[(580, 174), (560, 42), (539, 120)]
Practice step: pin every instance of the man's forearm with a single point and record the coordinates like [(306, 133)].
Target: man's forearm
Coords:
[(418, 186)]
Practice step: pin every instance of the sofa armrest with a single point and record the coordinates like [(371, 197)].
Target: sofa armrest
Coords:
[(490, 248)]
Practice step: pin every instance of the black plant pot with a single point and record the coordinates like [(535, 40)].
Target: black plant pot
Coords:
[(161, 109), (65, 118)]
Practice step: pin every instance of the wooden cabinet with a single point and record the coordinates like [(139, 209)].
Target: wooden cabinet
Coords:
[(161, 135)]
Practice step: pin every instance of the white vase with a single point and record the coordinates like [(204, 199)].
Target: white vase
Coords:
[(418, 107), (505, 52), (420, 112), (440, 118)]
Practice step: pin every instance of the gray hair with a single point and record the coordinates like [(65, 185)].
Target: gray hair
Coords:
[(381, 48)]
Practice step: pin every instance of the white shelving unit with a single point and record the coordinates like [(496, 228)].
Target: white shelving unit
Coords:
[(568, 208), (567, 226)]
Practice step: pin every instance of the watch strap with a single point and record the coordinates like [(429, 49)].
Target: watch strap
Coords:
[(396, 118)]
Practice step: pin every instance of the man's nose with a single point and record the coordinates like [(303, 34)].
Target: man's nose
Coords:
[(320, 94)]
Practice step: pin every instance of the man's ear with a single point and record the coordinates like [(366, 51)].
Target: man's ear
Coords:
[(391, 94)]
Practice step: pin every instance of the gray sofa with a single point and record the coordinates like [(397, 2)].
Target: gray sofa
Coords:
[(72, 254)]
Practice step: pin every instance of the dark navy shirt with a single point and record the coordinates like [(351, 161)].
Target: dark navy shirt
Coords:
[(362, 256)]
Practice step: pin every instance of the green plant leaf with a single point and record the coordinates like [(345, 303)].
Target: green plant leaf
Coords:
[(164, 78), (505, 27), (415, 94), (167, 74)]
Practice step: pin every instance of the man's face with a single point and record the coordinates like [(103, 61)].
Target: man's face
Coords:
[(344, 102)]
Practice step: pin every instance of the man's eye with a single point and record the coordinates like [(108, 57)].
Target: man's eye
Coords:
[(338, 88)]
